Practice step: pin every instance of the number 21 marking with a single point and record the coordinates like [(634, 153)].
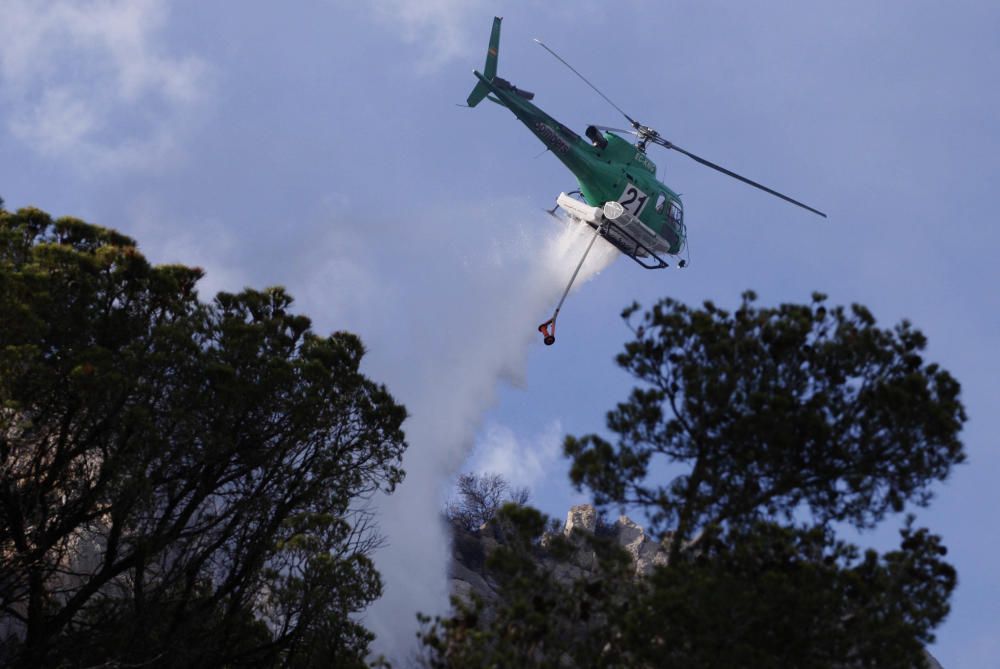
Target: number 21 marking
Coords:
[(633, 200)]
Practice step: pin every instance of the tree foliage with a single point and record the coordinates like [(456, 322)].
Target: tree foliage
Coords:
[(760, 596), (181, 483), (774, 411), (772, 596), (751, 436), (480, 497), (543, 619)]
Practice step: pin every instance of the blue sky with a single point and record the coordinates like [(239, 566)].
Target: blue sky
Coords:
[(317, 145)]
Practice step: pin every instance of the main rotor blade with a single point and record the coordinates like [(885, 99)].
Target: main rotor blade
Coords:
[(606, 98), (720, 168)]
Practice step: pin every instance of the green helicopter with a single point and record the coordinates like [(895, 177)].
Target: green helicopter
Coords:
[(619, 194)]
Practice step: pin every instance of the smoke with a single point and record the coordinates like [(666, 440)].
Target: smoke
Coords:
[(521, 460), (485, 326)]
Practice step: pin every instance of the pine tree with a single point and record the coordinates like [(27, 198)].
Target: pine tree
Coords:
[(181, 483)]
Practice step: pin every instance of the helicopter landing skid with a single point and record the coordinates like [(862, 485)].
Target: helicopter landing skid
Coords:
[(631, 246)]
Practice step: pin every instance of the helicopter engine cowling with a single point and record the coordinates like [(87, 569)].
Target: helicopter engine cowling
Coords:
[(596, 137)]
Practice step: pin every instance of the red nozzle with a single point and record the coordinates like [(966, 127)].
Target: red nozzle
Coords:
[(548, 330)]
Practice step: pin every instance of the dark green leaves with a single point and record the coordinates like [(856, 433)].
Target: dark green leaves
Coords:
[(749, 436), (784, 408), (180, 483)]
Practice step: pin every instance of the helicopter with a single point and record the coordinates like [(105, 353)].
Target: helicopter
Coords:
[(619, 195)]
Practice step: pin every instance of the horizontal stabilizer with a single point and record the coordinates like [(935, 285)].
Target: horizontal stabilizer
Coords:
[(477, 94)]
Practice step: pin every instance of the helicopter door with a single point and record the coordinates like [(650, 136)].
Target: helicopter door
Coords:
[(633, 200)]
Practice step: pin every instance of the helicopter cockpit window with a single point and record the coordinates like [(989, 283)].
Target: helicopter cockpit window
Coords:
[(675, 214), (661, 200)]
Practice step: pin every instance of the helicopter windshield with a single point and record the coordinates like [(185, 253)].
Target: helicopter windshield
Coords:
[(661, 201), (669, 208), (675, 213)]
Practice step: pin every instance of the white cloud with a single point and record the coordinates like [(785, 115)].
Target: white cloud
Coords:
[(448, 30), (524, 462), (57, 122), (211, 245), (440, 27), (88, 81)]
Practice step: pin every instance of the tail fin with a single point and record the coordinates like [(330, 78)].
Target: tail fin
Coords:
[(490, 70)]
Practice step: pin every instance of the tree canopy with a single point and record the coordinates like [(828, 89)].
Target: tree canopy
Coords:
[(480, 497), (181, 483), (775, 411), (751, 437)]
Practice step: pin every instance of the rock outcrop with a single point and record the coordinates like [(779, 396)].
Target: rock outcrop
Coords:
[(645, 552), (582, 517), (470, 549)]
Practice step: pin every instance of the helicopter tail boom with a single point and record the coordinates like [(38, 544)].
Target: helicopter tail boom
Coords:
[(490, 69)]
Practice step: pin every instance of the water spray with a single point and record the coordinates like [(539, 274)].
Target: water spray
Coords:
[(454, 385), (548, 328)]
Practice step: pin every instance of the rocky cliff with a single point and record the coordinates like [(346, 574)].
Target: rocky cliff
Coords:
[(470, 550)]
